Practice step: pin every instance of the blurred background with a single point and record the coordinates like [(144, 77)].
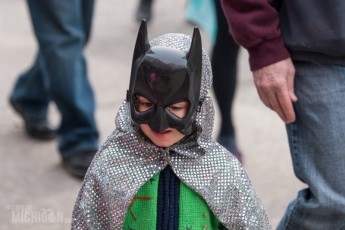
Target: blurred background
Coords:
[(36, 193)]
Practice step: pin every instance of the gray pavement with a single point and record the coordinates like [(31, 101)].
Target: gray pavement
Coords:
[(36, 193)]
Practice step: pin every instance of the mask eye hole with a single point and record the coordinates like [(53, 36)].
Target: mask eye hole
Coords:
[(143, 104), (179, 109)]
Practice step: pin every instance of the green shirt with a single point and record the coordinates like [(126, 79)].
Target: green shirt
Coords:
[(194, 213)]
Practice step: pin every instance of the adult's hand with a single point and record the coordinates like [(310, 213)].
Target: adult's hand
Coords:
[(275, 85)]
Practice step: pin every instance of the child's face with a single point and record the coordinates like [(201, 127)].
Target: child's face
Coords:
[(169, 136)]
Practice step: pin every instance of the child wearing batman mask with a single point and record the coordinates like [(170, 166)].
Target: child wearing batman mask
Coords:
[(160, 169)]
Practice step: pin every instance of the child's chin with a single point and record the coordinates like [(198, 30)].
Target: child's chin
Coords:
[(163, 145)]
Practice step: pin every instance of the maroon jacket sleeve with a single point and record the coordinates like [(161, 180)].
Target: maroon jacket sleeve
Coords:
[(255, 26)]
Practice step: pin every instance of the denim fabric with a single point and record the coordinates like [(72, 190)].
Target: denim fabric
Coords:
[(59, 72), (317, 144)]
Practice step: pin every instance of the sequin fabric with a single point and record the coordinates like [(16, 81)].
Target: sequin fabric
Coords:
[(127, 160)]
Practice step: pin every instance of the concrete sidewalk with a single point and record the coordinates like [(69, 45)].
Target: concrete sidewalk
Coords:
[(38, 194)]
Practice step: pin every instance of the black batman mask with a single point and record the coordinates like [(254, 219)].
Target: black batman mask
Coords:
[(165, 76)]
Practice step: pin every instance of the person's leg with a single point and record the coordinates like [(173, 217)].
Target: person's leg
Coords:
[(144, 10), (30, 99), (317, 144), (62, 29), (87, 17), (30, 94), (224, 68)]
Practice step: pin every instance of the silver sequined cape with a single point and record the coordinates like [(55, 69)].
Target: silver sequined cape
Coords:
[(127, 160)]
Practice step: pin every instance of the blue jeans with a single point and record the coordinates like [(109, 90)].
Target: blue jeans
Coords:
[(317, 144), (59, 73)]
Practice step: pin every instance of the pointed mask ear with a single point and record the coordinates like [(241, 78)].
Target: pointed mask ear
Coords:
[(142, 44), (194, 55), (194, 60)]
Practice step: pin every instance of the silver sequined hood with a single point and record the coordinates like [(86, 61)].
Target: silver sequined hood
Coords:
[(127, 160)]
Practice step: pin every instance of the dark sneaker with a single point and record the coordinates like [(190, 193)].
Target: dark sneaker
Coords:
[(36, 128), (77, 165)]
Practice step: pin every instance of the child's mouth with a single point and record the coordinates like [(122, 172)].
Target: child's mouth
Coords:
[(161, 134)]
